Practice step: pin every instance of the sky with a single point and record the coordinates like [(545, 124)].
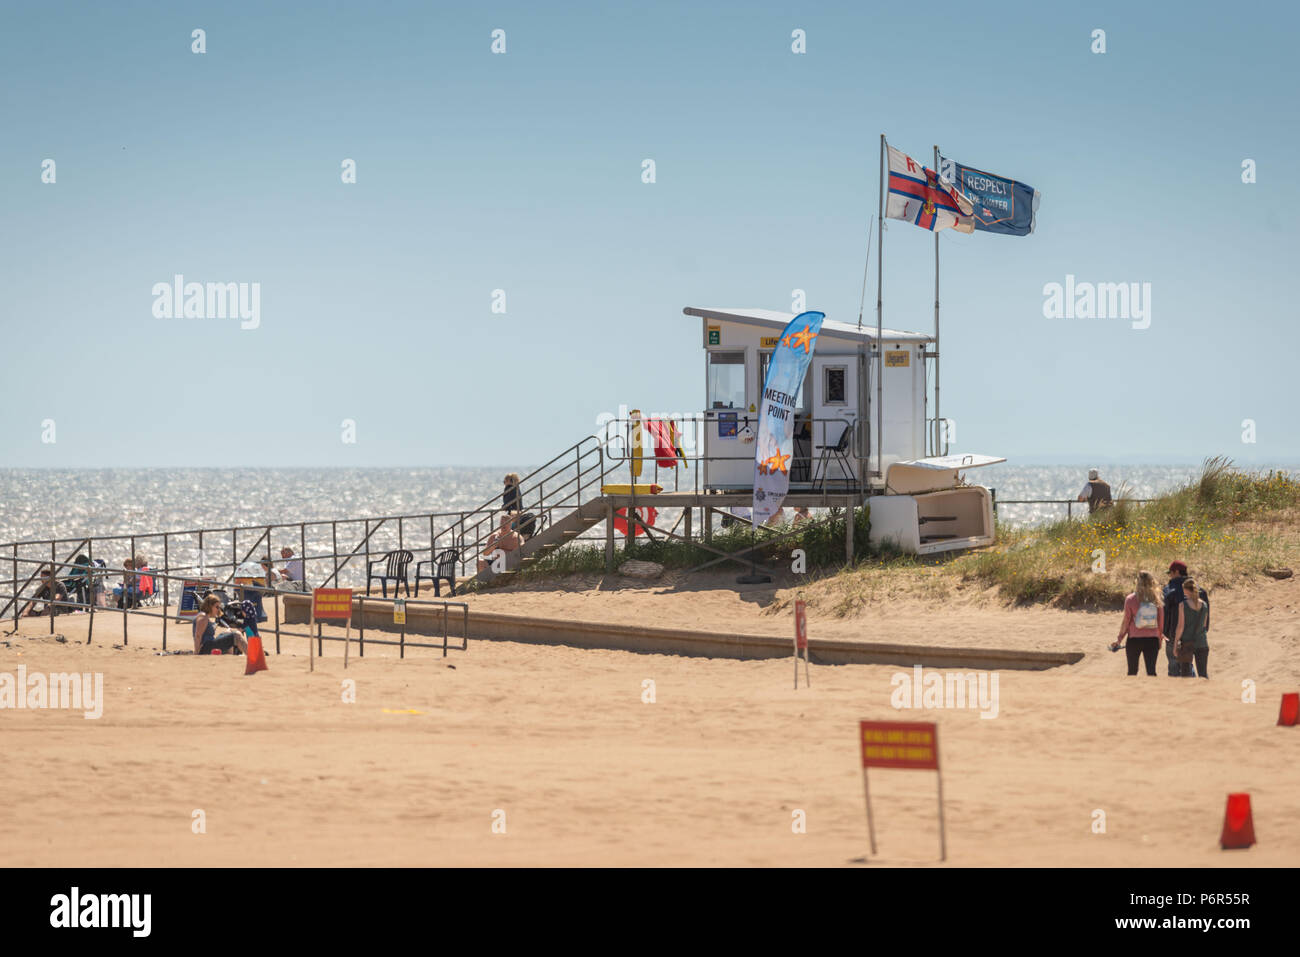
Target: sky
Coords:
[(522, 171)]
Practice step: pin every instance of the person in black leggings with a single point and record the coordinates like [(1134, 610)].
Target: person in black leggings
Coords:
[(1143, 624), (1147, 649)]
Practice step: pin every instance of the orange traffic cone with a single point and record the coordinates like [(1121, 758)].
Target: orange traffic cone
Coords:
[(1290, 713), (1238, 826), (256, 657)]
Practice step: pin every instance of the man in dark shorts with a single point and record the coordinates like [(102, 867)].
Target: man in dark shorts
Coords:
[(206, 638)]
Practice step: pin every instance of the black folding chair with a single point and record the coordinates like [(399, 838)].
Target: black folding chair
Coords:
[(839, 452), (395, 565), (444, 568)]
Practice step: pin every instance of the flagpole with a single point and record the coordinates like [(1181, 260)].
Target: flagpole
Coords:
[(880, 354), (935, 437)]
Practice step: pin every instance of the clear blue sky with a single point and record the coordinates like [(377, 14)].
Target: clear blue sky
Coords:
[(523, 172)]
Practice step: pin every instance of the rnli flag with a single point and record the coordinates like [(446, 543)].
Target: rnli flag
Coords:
[(1001, 205), (774, 448), (924, 198)]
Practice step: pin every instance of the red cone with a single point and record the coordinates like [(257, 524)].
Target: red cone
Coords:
[(256, 657), (1290, 713), (1238, 826)]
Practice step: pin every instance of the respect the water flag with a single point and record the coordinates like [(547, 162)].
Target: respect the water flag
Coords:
[(1001, 205), (775, 445)]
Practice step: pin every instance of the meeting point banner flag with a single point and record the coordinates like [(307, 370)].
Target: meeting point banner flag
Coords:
[(1001, 205), (775, 446), (924, 198)]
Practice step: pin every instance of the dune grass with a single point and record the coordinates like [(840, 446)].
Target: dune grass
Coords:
[(822, 542), (1227, 525)]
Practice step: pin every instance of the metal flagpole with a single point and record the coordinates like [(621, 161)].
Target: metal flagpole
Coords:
[(937, 420), (880, 354), (866, 267)]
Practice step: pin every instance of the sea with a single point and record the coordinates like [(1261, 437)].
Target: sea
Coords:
[(38, 504)]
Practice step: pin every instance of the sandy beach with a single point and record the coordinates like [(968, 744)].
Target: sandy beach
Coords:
[(713, 772)]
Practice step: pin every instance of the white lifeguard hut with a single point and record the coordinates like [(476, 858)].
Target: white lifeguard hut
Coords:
[(919, 497), (835, 445)]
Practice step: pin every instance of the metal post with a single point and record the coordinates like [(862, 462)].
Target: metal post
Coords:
[(609, 538), (936, 316), (871, 824), (367, 566), (234, 553), (943, 838), (167, 577), (90, 577), (689, 510), (880, 319), (334, 534), (361, 631), (848, 534), (706, 515), (49, 590), (302, 555), (276, 602)]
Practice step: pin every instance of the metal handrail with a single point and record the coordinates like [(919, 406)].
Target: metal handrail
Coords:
[(162, 610)]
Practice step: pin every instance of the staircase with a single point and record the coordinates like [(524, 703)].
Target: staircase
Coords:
[(565, 493), (566, 529)]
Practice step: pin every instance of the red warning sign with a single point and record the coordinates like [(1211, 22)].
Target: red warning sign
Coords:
[(331, 603), (900, 744)]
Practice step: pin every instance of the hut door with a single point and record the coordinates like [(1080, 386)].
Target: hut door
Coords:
[(835, 408)]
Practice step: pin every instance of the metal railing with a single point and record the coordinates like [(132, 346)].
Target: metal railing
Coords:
[(618, 441), (159, 606), (1069, 503)]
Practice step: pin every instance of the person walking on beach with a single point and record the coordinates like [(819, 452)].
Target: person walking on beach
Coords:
[(1096, 493), (1191, 643), (205, 636), (1173, 600), (1143, 626)]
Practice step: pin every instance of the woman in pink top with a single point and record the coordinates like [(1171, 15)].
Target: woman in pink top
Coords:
[(1144, 624)]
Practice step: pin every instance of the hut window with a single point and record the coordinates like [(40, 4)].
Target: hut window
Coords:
[(833, 385), (726, 380)]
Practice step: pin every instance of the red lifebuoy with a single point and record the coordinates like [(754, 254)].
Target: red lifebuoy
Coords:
[(646, 514)]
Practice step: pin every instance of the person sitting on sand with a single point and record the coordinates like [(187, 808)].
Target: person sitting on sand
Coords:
[(47, 595), (126, 594), (1096, 493), (504, 539), (1190, 641), (205, 636), (1144, 619), (78, 582)]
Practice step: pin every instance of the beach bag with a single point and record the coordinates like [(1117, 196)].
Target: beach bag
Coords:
[(1146, 616)]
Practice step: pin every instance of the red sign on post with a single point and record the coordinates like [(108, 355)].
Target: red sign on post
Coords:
[(909, 745), (900, 744), (331, 603)]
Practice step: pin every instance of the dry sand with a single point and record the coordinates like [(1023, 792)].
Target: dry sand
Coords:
[(709, 774)]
